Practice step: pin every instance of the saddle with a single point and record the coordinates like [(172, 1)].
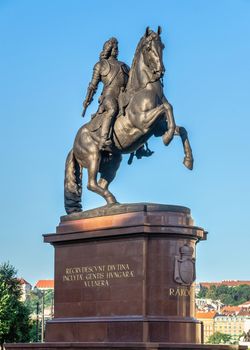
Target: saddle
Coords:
[(95, 124)]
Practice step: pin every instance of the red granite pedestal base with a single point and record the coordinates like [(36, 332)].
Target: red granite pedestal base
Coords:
[(124, 280), (121, 346)]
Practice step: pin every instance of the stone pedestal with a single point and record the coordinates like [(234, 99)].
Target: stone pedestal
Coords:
[(117, 276), (124, 280)]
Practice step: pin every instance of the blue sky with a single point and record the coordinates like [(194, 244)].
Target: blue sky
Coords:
[(48, 49)]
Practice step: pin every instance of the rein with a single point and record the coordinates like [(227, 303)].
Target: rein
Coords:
[(130, 89)]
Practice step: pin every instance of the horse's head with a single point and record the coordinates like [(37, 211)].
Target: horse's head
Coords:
[(152, 52), (148, 54)]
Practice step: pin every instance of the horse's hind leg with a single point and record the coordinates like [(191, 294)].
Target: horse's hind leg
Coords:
[(188, 159), (108, 171), (92, 179)]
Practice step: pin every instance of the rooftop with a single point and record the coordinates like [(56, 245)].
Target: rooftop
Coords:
[(23, 281), (45, 284), (208, 314), (230, 310), (246, 304), (229, 283)]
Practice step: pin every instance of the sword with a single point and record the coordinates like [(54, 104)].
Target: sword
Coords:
[(85, 106), (84, 111), (88, 100)]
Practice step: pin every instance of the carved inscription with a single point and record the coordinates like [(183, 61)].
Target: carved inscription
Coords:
[(98, 275), (180, 292)]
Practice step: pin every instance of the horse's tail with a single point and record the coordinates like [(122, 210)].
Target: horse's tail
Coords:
[(72, 185)]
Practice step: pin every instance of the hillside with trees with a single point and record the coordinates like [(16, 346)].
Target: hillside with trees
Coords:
[(227, 295)]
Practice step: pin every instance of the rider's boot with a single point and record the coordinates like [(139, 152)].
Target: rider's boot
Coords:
[(105, 139)]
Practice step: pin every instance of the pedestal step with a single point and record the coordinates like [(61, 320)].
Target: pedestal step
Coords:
[(120, 346)]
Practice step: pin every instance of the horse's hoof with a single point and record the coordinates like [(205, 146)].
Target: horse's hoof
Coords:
[(111, 200), (168, 139), (112, 204), (188, 162)]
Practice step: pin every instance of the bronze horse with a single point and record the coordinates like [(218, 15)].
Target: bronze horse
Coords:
[(144, 111)]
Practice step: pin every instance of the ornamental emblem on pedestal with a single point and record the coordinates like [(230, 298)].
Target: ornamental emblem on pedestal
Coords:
[(184, 270)]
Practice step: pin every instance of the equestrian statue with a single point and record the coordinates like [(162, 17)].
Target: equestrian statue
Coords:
[(132, 108)]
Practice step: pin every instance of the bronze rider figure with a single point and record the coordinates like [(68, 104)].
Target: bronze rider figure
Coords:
[(114, 76)]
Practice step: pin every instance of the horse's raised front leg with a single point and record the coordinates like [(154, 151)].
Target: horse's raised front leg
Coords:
[(169, 134), (108, 169), (94, 163), (188, 159)]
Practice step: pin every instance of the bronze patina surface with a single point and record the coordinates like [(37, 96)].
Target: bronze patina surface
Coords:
[(123, 208), (132, 108)]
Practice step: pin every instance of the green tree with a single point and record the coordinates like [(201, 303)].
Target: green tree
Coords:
[(33, 298), (211, 293), (219, 338), (202, 292), (227, 295), (33, 331), (4, 305), (14, 315), (226, 299)]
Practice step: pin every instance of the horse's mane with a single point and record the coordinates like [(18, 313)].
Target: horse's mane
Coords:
[(131, 85), (134, 63)]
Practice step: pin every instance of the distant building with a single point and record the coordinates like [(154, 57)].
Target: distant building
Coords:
[(245, 339), (216, 317), (25, 288), (244, 312), (201, 303), (232, 325), (204, 304), (229, 283), (230, 310), (197, 287), (207, 319), (45, 284), (245, 305), (247, 325)]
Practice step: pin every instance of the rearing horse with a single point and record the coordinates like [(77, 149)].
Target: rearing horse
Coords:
[(144, 111)]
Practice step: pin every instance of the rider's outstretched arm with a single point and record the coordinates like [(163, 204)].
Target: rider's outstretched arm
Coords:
[(96, 78)]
